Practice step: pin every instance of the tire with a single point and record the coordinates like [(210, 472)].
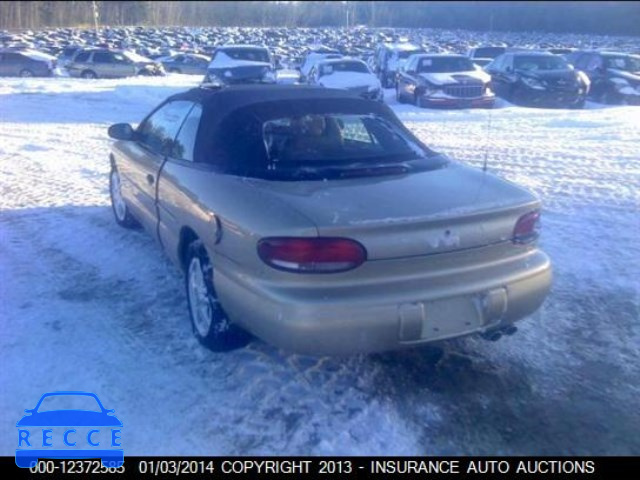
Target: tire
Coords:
[(209, 321), (118, 205), (89, 74), (174, 70), (26, 73)]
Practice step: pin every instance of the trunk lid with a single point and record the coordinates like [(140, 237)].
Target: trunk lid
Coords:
[(444, 210)]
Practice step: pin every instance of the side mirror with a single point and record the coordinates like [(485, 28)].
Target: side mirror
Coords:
[(121, 131)]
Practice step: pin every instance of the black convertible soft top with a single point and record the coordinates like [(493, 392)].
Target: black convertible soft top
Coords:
[(230, 133)]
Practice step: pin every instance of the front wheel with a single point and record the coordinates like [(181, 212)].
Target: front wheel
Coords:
[(89, 74), (118, 204), (210, 324), (26, 73)]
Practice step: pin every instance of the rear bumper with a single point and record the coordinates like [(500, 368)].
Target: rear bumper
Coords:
[(410, 306)]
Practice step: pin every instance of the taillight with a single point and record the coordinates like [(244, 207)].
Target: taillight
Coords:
[(311, 255), (527, 228)]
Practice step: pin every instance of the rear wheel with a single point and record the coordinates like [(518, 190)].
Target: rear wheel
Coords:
[(90, 74), (210, 323), (174, 70), (118, 204), (26, 73)]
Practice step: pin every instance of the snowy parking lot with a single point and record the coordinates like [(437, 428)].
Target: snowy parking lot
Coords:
[(86, 305)]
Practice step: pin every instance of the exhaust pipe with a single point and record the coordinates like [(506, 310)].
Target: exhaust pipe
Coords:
[(496, 334)]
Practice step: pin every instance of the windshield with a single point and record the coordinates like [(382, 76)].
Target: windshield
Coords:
[(338, 145), (628, 64), (539, 62), (444, 64), (330, 68), (250, 54)]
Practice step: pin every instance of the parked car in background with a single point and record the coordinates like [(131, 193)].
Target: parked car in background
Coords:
[(348, 73), (26, 63), (312, 58), (233, 64), (538, 79), (106, 63), (443, 80), (315, 220), (67, 54), (482, 56), (389, 57), (615, 77), (192, 64)]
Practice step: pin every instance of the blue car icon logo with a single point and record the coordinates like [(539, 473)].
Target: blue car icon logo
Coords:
[(84, 429)]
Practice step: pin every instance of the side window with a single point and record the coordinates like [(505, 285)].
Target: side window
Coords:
[(186, 140), (353, 130), (102, 57), (158, 131), (82, 57), (12, 57)]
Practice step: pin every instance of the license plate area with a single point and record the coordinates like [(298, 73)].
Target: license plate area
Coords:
[(449, 317)]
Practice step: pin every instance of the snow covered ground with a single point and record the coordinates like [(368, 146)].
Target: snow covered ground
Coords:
[(86, 305)]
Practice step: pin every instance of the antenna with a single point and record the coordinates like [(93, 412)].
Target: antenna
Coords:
[(486, 145)]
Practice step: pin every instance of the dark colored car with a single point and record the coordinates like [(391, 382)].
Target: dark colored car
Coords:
[(26, 63), (240, 64), (615, 77), (443, 80), (538, 79), (82, 425)]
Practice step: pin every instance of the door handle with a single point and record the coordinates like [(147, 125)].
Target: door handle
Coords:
[(150, 179)]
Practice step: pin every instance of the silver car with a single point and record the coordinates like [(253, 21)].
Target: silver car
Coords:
[(191, 64), (313, 219), (105, 63)]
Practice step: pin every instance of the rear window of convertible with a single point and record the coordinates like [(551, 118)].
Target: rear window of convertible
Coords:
[(318, 146)]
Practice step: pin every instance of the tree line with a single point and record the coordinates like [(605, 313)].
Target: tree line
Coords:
[(612, 18)]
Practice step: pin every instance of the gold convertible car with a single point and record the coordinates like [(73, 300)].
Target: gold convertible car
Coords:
[(315, 220)]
